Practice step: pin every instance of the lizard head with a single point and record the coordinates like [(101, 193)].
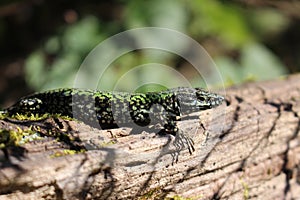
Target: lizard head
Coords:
[(206, 100), (26, 105), (197, 99)]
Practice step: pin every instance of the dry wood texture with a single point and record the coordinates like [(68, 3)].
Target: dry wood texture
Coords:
[(252, 152)]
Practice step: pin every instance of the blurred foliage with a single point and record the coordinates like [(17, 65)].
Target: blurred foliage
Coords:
[(65, 51), (226, 22), (233, 35)]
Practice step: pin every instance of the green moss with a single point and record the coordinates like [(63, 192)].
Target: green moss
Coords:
[(7, 138), (176, 197), (66, 152), (31, 117), (105, 144), (20, 136), (3, 115), (63, 117), (37, 117), (17, 137), (158, 194), (246, 189), (152, 194), (30, 135)]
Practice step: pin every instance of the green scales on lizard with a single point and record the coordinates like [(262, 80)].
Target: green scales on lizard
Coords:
[(120, 109)]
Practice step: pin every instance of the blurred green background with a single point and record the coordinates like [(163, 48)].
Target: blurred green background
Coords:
[(43, 43)]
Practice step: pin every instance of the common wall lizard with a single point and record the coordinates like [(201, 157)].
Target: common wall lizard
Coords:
[(119, 109)]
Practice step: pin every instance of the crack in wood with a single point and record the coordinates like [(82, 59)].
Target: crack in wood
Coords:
[(233, 161)]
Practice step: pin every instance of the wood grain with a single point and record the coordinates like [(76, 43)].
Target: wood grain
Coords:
[(252, 152)]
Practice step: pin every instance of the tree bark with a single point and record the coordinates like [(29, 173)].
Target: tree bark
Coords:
[(249, 150)]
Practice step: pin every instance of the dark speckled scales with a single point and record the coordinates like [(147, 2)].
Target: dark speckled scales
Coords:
[(118, 109)]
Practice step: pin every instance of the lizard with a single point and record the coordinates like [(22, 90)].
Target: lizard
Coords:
[(108, 110)]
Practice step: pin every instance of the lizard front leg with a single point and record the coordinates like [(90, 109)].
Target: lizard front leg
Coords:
[(181, 139)]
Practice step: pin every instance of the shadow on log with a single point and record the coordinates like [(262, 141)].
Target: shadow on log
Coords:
[(252, 151)]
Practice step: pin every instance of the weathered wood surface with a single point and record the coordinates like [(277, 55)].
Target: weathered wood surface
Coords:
[(252, 152)]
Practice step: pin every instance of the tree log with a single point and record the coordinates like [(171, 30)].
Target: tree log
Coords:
[(249, 150)]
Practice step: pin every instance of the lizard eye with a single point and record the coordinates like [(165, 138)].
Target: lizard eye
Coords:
[(201, 98)]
